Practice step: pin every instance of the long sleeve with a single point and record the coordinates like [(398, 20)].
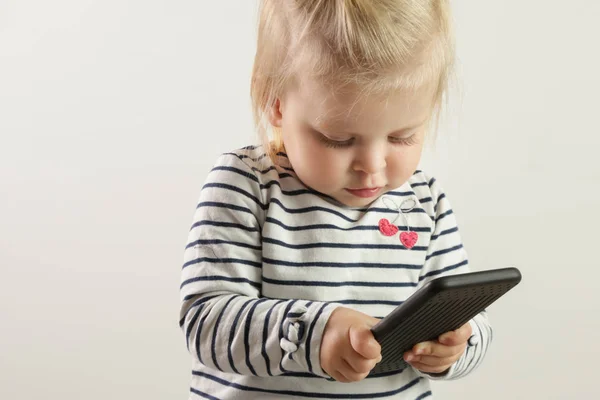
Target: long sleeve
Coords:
[(446, 255), (228, 326)]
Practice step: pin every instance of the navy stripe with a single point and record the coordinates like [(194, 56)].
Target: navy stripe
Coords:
[(331, 226), (431, 182), (295, 314), (481, 350), (414, 185), (439, 199), (213, 345), (246, 388), (267, 185), (197, 302), (444, 251), (296, 192), (198, 335), (377, 375), (445, 232), (282, 175), (202, 394), (225, 225), (337, 213), (467, 359), (238, 171), (302, 375), (190, 326), (285, 174), (338, 283), (442, 270), (243, 156), (266, 337), (424, 395), (443, 215), (287, 310), (298, 210), (218, 204), (190, 296), (237, 190), (311, 209), (425, 200), (232, 334), (247, 334), (220, 241), (390, 210), (264, 171), (306, 375), (309, 336), (222, 261), (220, 278), (341, 245), (395, 193), (340, 265)]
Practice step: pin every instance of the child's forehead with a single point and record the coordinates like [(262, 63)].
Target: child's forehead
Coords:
[(330, 106)]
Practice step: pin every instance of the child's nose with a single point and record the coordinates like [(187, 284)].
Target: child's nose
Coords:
[(370, 161)]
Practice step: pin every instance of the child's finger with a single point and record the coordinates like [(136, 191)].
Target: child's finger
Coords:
[(429, 369), (340, 377), (417, 350), (459, 336), (363, 342), (348, 371), (437, 349), (359, 364), (433, 361)]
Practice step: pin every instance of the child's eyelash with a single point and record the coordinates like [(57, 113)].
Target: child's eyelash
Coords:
[(408, 141), (335, 144), (404, 141)]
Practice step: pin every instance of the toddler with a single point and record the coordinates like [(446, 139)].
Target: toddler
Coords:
[(301, 244)]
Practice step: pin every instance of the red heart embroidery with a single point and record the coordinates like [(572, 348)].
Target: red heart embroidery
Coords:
[(386, 228), (409, 239)]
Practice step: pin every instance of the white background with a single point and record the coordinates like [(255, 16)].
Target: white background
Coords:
[(112, 113)]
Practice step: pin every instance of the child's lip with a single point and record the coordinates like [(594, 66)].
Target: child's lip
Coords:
[(364, 192)]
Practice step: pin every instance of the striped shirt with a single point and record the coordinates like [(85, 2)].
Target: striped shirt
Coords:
[(267, 261)]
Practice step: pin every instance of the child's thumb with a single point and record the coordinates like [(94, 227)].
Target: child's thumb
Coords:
[(363, 341)]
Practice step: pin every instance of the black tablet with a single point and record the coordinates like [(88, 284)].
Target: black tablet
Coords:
[(441, 305)]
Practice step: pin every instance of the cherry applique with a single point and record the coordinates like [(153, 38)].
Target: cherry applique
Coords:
[(409, 239), (387, 228)]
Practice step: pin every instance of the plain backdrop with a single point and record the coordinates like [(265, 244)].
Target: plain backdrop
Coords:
[(112, 113)]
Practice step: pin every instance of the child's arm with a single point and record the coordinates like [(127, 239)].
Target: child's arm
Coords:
[(227, 325), (446, 255)]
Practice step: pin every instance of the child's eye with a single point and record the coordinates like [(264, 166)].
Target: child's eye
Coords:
[(406, 141), (335, 144)]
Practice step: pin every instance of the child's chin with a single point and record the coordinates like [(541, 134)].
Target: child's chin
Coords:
[(354, 201)]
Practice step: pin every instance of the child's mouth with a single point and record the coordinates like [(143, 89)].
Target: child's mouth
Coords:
[(364, 192)]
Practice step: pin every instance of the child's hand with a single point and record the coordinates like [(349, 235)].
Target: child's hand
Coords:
[(348, 349), (437, 357)]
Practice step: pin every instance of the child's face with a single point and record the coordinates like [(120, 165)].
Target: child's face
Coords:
[(351, 147)]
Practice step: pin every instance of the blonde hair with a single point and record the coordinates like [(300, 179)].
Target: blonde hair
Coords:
[(375, 45)]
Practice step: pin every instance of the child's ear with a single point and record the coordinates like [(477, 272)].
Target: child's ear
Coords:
[(276, 114)]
